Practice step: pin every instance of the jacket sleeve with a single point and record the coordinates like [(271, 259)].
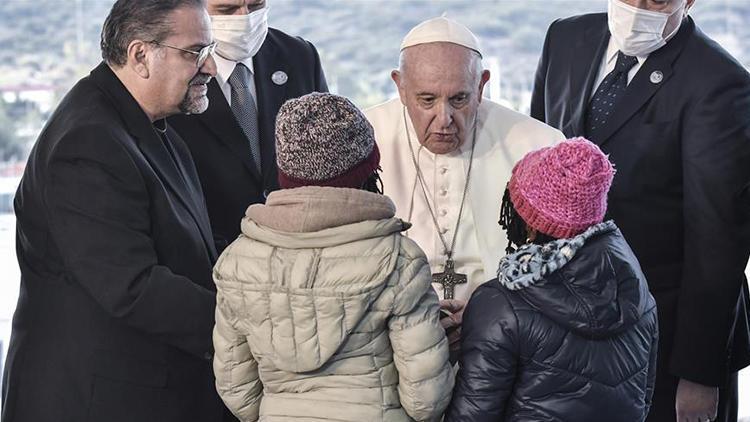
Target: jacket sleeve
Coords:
[(420, 348), (488, 366), (652, 367), (716, 193), (237, 379), (538, 95), (99, 212)]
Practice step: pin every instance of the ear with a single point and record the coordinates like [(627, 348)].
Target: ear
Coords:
[(399, 81), (139, 53), (689, 4), (482, 82)]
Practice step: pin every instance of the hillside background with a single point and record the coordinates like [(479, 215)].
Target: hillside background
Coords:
[(49, 44)]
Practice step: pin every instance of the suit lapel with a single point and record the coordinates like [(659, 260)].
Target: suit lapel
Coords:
[(220, 120), (190, 175), (271, 95), (652, 75), (156, 153), (151, 145), (590, 49)]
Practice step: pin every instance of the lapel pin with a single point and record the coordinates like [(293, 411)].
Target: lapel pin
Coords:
[(656, 77), (279, 77)]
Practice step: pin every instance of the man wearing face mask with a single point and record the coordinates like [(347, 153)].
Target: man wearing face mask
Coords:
[(670, 107), (258, 69)]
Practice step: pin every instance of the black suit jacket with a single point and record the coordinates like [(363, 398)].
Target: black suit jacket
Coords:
[(220, 149), (116, 307), (681, 195)]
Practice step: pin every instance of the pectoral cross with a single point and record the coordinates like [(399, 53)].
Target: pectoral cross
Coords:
[(449, 278)]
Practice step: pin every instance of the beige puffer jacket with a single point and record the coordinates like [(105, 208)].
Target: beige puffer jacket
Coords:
[(326, 312)]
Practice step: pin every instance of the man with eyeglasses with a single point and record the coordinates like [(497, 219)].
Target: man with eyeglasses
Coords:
[(117, 302), (233, 142)]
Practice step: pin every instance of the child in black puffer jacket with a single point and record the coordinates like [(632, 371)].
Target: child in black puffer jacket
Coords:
[(568, 329)]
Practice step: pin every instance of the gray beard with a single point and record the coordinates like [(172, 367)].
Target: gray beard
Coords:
[(190, 105), (193, 104)]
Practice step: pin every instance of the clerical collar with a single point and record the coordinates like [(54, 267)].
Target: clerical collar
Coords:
[(161, 126)]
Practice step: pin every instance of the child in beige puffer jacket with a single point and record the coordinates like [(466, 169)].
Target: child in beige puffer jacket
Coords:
[(324, 310)]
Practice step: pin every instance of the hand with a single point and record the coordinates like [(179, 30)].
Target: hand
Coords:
[(455, 310), (452, 324), (696, 402)]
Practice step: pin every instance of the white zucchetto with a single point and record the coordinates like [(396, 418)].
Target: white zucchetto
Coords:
[(441, 29)]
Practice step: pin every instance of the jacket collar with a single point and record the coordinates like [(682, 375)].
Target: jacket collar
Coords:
[(318, 217), (133, 117), (269, 60), (590, 48), (314, 208)]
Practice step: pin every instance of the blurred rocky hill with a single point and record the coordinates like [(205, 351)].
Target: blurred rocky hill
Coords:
[(49, 44)]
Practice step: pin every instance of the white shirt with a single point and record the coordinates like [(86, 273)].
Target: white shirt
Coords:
[(224, 69), (608, 65)]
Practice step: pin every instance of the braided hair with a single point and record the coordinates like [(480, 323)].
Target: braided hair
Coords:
[(373, 183), (515, 228)]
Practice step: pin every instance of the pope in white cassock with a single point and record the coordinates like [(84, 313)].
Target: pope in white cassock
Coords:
[(447, 154)]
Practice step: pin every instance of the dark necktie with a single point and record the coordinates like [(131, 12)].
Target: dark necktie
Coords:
[(609, 93), (244, 109)]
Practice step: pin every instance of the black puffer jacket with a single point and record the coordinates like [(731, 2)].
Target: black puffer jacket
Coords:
[(567, 332)]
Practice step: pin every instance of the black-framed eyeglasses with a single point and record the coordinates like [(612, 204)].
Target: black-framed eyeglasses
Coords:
[(202, 55)]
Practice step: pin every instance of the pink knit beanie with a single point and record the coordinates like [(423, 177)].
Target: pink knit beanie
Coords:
[(562, 190)]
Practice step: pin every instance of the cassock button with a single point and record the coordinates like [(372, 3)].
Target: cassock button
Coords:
[(656, 77), (443, 192), (279, 77), (444, 230), (443, 170), (443, 213)]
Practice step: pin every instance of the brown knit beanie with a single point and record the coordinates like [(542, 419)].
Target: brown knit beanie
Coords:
[(324, 140)]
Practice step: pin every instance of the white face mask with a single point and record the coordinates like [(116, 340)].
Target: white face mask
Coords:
[(639, 32), (240, 36)]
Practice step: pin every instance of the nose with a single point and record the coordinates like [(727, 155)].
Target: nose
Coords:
[(209, 66), (250, 6), (444, 116)]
